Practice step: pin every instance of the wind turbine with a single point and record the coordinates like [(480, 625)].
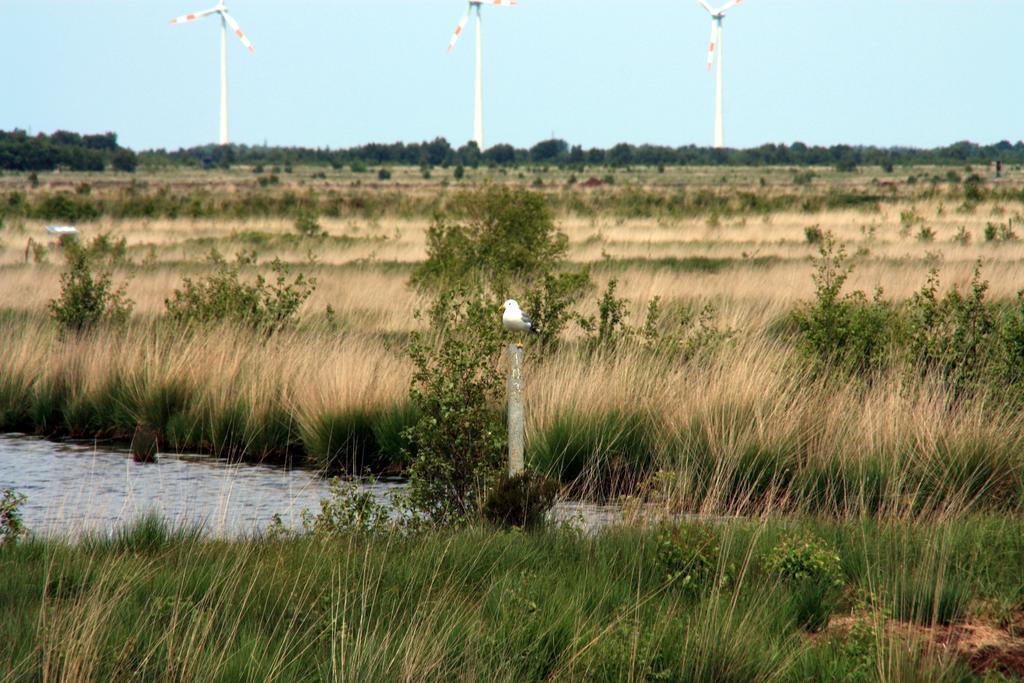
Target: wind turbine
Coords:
[(225, 21), (716, 43), (478, 111)]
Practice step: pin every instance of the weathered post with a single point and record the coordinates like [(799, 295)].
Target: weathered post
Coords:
[(516, 419)]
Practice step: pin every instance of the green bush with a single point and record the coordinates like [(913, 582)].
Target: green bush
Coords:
[(457, 447), (504, 234), (88, 296), (308, 225), (952, 335), (383, 174), (223, 296), (813, 234), (690, 555), (813, 572), (849, 331), (11, 524), (349, 508), (550, 304), (358, 166)]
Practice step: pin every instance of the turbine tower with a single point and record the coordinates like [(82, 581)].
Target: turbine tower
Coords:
[(716, 44), (478, 106), (226, 20)]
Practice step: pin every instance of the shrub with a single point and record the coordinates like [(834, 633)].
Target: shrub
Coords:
[(308, 225), (926, 234), (223, 296), (611, 317), (506, 233), (813, 572), (520, 501), (348, 509), (457, 446), (383, 174), (952, 335), (550, 304), (844, 330), (690, 555), (87, 293), (813, 234), (358, 166), (11, 524), (459, 173)]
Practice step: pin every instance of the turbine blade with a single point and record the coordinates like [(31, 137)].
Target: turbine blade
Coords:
[(238, 32), (507, 3), (728, 6), (458, 30), (192, 17), (705, 5), (713, 44)]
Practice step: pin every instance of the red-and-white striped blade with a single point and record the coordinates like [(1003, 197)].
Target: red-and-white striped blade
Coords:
[(458, 30), (705, 5), (238, 32), (729, 5), (507, 3), (713, 44), (192, 17)]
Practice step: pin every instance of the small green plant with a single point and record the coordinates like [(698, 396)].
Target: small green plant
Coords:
[(813, 234), (223, 296), (459, 173), (611, 314), (962, 237), (803, 178), (88, 296), (813, 572), (690, 555), (926, 234), (307, 224), (383, 174), (349, 508), (358, 166), (12, 526)]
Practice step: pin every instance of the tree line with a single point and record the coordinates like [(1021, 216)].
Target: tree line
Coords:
[(557, 152), (20, 151)]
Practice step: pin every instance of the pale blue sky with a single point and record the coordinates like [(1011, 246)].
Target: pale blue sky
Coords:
[(595, 72)]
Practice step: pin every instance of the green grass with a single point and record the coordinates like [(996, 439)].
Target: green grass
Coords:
[(154, 603)]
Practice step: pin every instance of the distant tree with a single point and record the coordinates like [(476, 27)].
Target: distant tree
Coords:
[(124, 160), (548, 151)]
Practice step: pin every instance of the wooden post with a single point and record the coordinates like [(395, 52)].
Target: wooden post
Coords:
[(516, 419)]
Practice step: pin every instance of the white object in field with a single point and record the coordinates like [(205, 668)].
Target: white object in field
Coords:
[(513, 318), (61, 230), (226, 20), (516, 414), (478, 99), (716, 46)]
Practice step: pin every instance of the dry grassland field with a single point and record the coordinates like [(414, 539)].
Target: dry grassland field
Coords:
[(869, 447)]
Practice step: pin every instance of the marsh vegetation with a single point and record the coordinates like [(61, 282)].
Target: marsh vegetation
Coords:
[(834, 360)]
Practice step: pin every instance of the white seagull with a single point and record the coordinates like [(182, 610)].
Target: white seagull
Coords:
[(513, 318)]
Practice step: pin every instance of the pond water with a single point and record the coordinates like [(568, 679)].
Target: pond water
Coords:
[(75, 487)]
